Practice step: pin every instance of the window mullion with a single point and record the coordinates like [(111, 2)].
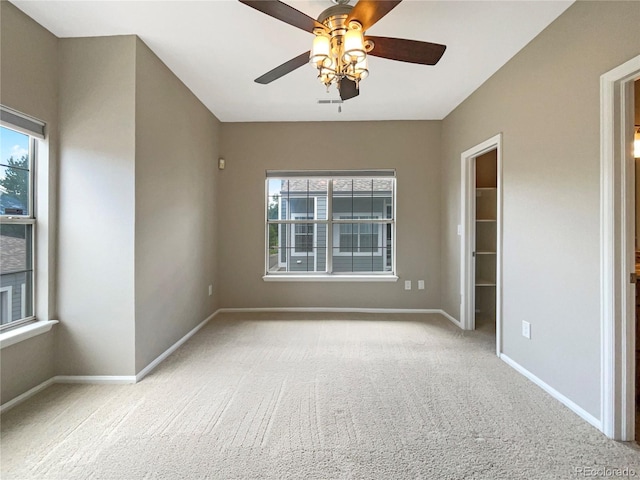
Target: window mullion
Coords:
[(31, 187), (329, 261), (362, 220), (298, 220), (6, 220)]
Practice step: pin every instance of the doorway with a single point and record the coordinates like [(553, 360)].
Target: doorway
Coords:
[(617, 251), (481, 242), (484, 254)]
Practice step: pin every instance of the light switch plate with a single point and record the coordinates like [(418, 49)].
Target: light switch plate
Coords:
[(526, 329)]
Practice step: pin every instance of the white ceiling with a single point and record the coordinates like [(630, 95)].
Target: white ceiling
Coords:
[(218, 47)]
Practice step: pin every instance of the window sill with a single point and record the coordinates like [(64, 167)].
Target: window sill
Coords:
[(25, 332), (330, 278)]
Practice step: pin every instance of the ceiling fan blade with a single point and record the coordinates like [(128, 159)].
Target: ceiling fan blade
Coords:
[(368, 12), (282, 70), (348, 89), (412, 51), (285, 13)]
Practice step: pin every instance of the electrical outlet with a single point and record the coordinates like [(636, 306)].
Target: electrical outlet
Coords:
[(210, 290), (407, 284), (526, 329), (420, 284)]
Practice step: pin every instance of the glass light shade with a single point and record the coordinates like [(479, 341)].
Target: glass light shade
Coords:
[(361, 69), (320, 51), (357, 71), (353, 46), (636, 144)]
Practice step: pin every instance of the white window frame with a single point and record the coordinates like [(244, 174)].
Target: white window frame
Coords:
[(28, 219), (41, 209), (389, 272)]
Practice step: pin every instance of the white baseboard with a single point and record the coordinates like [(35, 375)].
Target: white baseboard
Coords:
[(456, 322), (26, 395), (95, 379), (146, 370), (332, 310), (553, 392)]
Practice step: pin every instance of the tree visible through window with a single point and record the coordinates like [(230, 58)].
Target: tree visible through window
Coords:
[(330, 224), (16, 229)]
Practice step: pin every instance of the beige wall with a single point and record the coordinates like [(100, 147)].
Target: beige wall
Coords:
[(137, 177), (176, 174), (412, 148), (96, 335), (138, 156), (29, 84), (545, 101)]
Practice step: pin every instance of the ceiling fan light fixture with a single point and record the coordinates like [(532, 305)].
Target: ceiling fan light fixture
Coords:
[(320, 51), (340, 50), (353, 46), (326, 76), (361, 69)]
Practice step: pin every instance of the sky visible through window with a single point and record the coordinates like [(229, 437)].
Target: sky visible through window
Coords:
[(14, 172), (13, 144)]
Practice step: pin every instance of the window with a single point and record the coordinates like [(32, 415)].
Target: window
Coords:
[(330, 223), (17, 225), (303, 237), (358, 238)]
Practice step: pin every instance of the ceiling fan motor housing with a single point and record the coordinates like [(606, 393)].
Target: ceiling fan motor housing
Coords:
[(334, 18)]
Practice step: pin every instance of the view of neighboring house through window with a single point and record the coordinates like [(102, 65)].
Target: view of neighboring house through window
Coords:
[(330, 223), (16, 227)]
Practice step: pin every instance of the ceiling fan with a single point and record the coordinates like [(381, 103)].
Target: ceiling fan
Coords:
[(340, 46)]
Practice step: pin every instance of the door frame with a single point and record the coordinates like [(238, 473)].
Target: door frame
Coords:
[(468, 230), (617, 256)]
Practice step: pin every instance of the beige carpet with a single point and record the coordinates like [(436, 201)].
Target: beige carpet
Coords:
[(312, 397)]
